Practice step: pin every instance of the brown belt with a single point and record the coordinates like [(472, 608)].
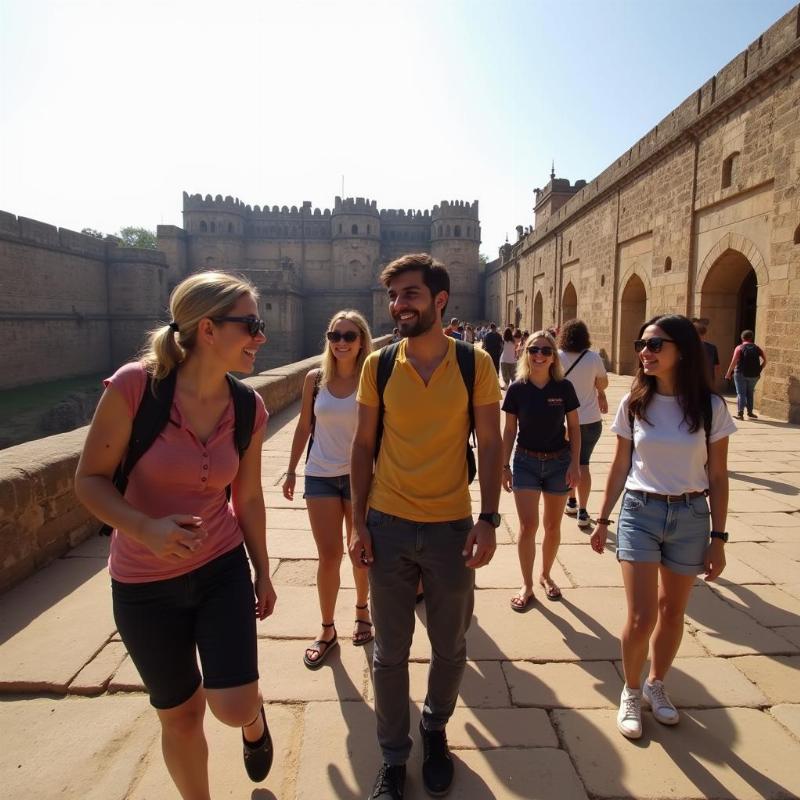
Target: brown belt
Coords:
[(670, 498), (542, 456)]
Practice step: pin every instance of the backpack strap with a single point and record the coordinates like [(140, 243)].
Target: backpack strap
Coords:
[(575, 363), (465, 355), (151, 418), (244, 417), (386, 358), (317, 382)]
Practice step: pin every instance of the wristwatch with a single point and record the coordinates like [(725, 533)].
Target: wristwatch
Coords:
[(492, 517), (719, 535)]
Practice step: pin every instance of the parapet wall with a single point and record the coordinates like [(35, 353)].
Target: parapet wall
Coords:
[(40, 516)]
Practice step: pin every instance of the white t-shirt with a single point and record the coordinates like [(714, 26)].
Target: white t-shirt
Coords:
[(583, 378), (667, 459), (334, 430), (509, 355)]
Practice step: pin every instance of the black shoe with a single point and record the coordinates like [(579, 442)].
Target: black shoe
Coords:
[(258, 755), (390, 783), (437, 766)]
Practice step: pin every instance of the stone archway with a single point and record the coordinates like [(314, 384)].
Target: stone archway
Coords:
[(538, 312), (729, 299), (632, 315), (569, 303)]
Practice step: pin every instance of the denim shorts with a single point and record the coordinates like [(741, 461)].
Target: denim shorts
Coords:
[(548, 476), (165, 624), (673, 534), (590, 435), (327, 487)]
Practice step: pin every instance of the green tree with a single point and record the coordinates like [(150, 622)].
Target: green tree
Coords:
[(483, 258), (138, 237), (92, 232)]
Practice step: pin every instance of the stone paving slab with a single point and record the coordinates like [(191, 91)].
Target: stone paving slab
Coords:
[(789, 717), (94, 678), (483, 685), (73, 747), (503, 572), (735, 753), (791, 634), (226, 772), (778, 677), (291, 543), (725, 631), (594, 684), (769, 605), (53, 624), (778, 570), (488, 728)]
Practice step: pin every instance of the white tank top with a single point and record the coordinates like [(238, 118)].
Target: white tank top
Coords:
[(333, 435)]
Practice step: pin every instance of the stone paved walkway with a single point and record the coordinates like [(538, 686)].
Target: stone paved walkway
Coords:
[(536, 714)]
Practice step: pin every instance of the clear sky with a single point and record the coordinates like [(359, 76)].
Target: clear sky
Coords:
[(109, 109)]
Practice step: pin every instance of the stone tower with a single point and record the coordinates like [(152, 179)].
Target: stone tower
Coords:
[(455, 241), (216, 232)]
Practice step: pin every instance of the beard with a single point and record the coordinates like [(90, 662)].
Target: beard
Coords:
[(424, 321)]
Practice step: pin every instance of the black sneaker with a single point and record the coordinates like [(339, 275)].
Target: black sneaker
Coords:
[(258, 755), (390, 783), (571, 509), (437, 766)]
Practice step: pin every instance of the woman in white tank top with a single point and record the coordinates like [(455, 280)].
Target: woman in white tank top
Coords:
[(328, 420)]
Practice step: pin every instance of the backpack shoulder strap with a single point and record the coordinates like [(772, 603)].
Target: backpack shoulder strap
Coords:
[(708, 416), (465, 355), (386, 359), (244, 410), (314, 393), (575, 363)]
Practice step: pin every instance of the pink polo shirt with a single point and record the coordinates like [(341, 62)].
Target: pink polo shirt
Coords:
[(179, 474)]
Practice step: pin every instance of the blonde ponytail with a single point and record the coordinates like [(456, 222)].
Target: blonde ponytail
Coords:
[(162, 353)]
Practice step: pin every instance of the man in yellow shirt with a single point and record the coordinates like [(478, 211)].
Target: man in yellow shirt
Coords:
[(413, 516)]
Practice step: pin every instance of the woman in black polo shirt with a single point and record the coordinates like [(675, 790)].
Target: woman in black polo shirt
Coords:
[(538, 404)]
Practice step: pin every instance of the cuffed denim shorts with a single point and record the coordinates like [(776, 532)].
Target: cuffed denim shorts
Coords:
[(548, 476), (327, 487), (590, 435), (673, 534)]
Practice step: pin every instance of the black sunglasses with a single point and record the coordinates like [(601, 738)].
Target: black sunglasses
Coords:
[(254, 325), (653, 344), (545, 351), (335, 336)]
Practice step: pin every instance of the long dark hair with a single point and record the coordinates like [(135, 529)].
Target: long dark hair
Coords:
[(692, 387), (507, 337), (574, 336)]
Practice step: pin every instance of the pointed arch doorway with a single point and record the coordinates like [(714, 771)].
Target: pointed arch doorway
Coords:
[(633, 314), (538, 312)]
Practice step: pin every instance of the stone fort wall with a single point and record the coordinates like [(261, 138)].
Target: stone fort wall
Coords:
[(700, 217)]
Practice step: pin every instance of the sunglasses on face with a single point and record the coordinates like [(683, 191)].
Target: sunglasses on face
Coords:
[(336, 337), (653, 344), (545, 351), (254, 325)]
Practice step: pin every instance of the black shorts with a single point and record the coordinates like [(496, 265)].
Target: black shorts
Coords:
[(210, 611), (590, 435)]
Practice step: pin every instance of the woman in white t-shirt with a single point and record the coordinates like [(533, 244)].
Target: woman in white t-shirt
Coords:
[(585, 370), (328, 416), (672, 453), (508, 358)]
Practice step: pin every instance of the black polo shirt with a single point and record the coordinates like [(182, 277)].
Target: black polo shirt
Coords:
[(541, 413)]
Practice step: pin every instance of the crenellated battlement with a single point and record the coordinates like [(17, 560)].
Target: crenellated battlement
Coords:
[(455, 209), (230, 205), (355, 205), (400, 215)]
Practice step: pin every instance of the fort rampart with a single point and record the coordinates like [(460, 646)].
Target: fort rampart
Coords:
[(701, 216), (40, 516)]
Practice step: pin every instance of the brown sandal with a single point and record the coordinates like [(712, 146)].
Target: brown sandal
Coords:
[(363, 637), (317, 662)]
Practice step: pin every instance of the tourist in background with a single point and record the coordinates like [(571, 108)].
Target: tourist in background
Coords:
[(745, 368), (672, 450), (541, 407), (181, 583), (519, 342), (710, 350), (328, 415), (493, 345), (585, 370), (508, 358)]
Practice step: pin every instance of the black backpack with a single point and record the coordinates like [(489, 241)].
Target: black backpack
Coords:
[(317, 382), (465, 355), (749, 362), (153, 415)]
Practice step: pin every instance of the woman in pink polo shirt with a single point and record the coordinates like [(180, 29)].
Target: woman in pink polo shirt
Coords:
[(180, 575)]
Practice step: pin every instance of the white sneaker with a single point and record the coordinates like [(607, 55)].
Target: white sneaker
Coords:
[(629, 716), (656, 696), (571, 510)]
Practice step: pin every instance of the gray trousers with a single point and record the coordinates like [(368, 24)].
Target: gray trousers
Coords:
[(403, 552)]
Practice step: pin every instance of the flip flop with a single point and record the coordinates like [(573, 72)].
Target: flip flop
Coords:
[(521, 608), (552, 592), (364, 637), (323, 654)]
